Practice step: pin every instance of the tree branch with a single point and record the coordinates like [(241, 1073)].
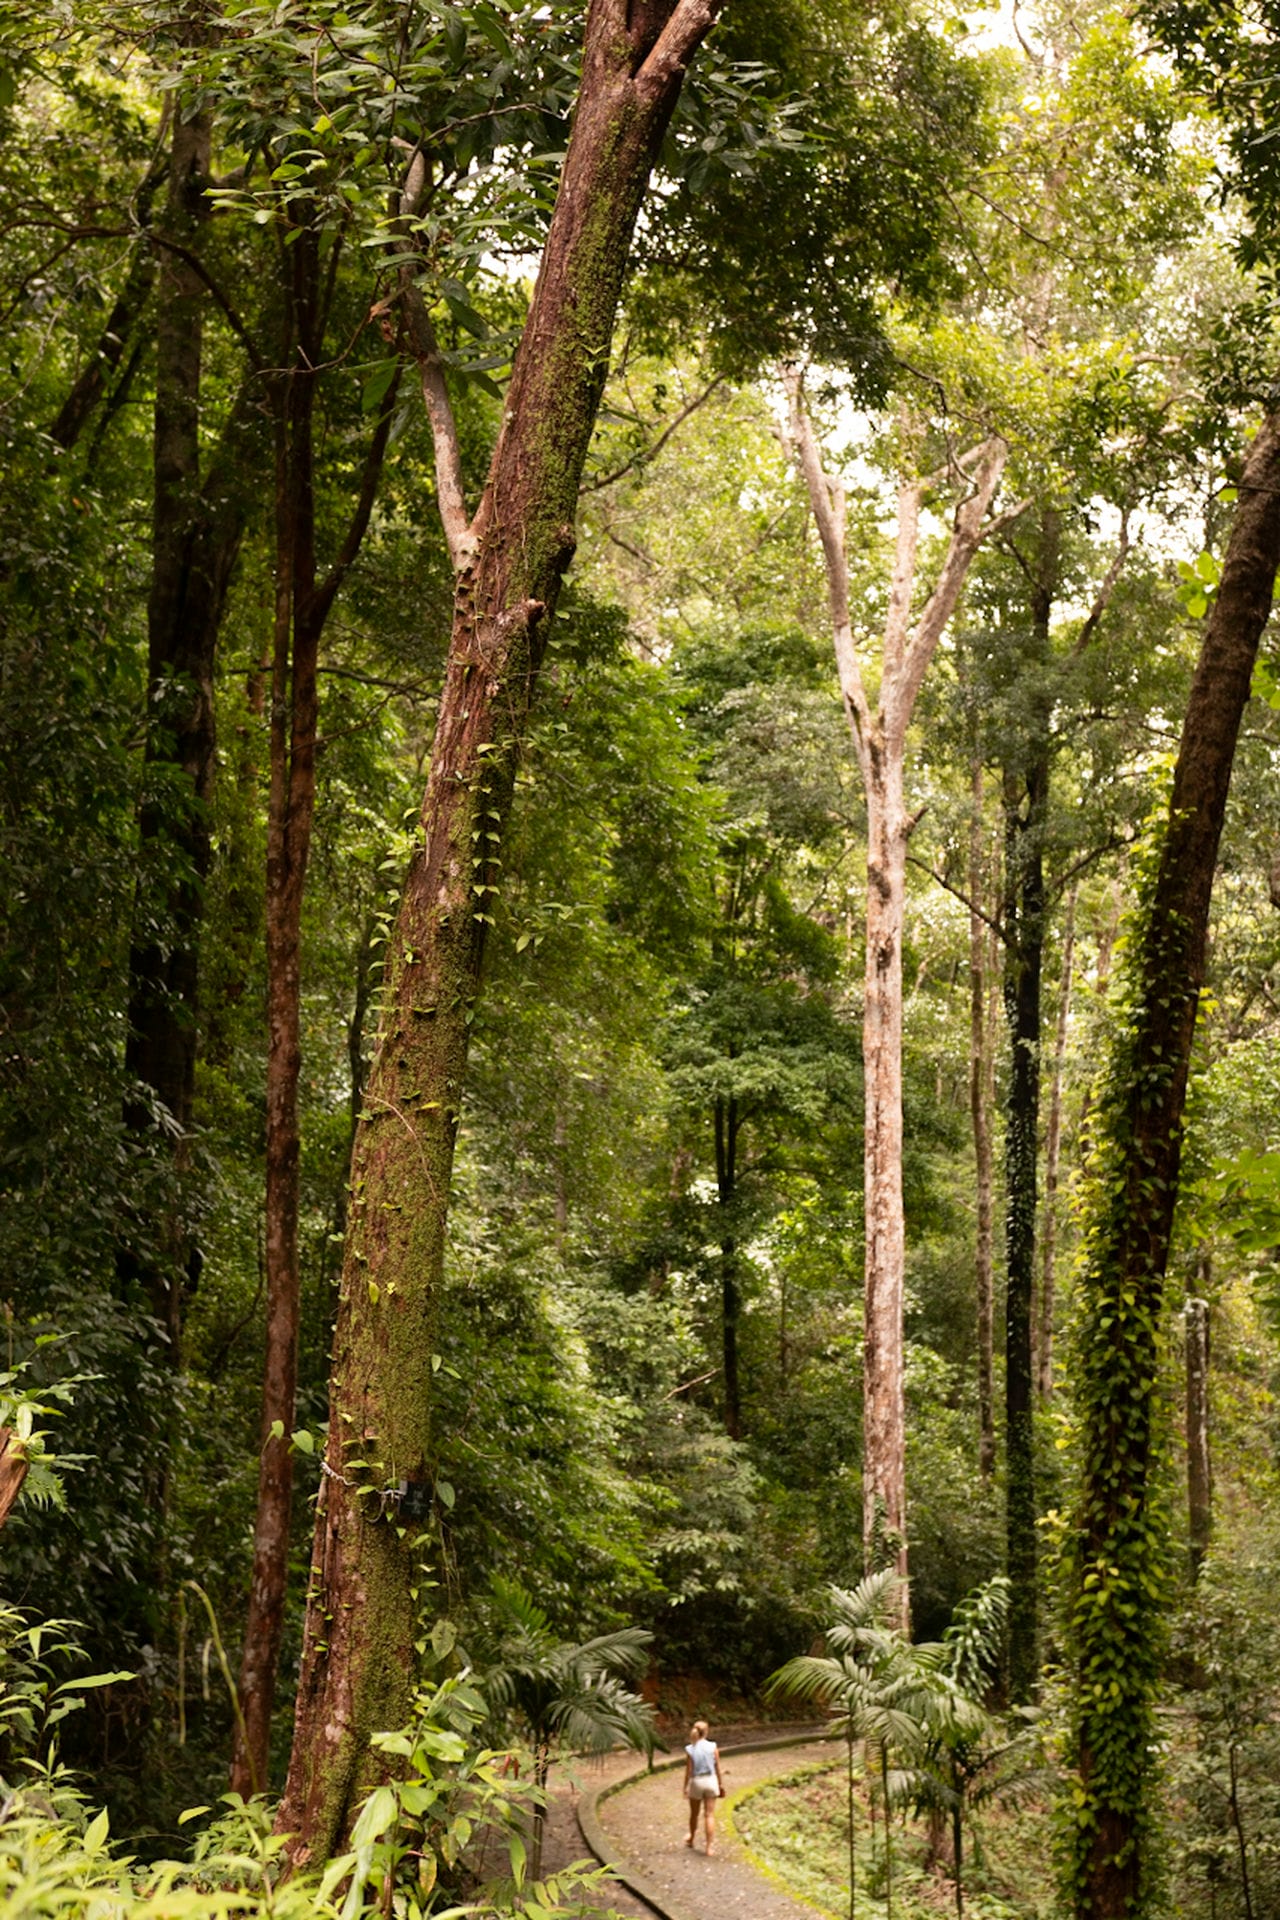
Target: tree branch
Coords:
[(958, 892), (646, 454), (1102, 598), (221, 299), (451, 498), (897, 618), (690, 23), (826, 500), (358, 525), (969, 529)]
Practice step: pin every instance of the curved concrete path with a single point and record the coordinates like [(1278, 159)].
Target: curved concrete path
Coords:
[(636, 1826)]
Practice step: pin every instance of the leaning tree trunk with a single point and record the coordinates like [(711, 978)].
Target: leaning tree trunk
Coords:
[(376, 1495), (1120, 1567)]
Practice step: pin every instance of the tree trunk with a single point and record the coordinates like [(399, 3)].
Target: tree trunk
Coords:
[(980, 1114), (160, 1050), (1199, 1463), (196, 535), (126, 314), (884, 1493), (1052, 1155), (375, 1501), (1024, 948), (726, 1119), (1237, 1821), (879, 741), (1120, 1556), (1026, 804), (301, 610), (13, 1471)]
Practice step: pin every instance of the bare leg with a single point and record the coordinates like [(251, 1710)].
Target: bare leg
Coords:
[(693, 1822), (709, 1822)]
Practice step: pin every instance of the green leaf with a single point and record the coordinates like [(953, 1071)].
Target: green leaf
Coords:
[(93, 1680), (377, 385), (376, 1815)]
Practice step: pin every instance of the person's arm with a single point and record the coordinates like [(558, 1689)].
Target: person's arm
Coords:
[(688, 1770), (719, 1775)]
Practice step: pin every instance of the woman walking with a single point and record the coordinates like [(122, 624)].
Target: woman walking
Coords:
[(703, 1782)]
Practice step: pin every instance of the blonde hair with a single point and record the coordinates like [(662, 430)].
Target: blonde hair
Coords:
[(699, 1730)]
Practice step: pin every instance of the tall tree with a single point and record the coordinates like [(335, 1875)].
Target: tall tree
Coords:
[(511, 556), (304, 598), (199, 512), (1118, 1558), (879, 735), (981, 1106)]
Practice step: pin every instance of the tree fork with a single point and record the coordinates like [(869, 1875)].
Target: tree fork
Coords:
[(362, 1610), (1119, 1559)]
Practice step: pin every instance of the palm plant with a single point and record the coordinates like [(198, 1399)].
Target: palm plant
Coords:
[(869, 1686), (571, 1693), (965, 1758)]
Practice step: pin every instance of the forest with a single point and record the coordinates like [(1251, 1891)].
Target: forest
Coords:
[(639, 946)]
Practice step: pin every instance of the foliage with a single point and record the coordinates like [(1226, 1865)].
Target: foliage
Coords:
[(1118, 1567), (794, 1829), (565, 1693), (421, 1841)]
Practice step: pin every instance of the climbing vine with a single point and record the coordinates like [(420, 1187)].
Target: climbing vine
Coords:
[(1118, 1559)]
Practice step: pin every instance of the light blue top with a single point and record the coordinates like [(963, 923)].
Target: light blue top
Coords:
[(703, 1755)]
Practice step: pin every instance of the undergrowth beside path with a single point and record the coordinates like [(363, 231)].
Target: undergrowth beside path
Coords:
[(792, 1830)]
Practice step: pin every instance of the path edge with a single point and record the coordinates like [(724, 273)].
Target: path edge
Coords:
[(600, 1846)]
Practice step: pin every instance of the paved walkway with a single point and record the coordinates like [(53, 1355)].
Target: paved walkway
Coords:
[(644, 1828)]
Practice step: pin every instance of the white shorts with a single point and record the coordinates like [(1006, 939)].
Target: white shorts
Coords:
[(703, 1786)]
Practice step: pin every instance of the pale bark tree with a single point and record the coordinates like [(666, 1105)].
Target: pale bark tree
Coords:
[(1199, 1459), (363, 1603), (879, 736), (1052, 1160)]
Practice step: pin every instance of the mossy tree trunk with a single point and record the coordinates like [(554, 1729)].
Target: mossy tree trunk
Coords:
[(1120, 1560), (362, 1612)]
